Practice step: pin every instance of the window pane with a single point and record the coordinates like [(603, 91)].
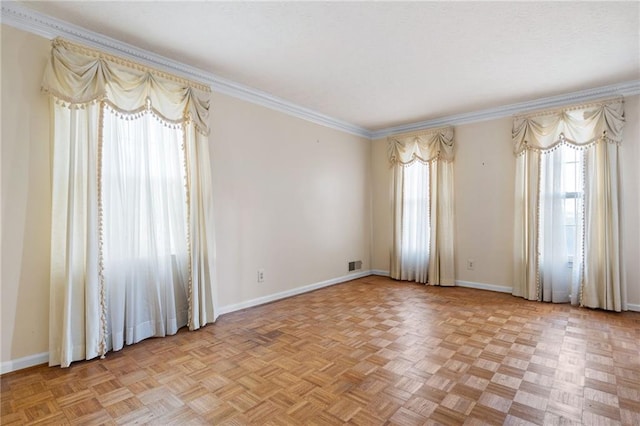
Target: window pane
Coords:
[(561, 201), (569, 177), (571, 240), (570, 211), (415, 216)]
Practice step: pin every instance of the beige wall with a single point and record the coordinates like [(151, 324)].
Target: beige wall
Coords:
[(291, 197), (26, 197), (484, 170), (483, 182), (630, 199), (381, 215)]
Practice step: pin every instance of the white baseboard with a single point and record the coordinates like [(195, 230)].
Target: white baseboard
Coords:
[(43, 358), (288, 293), (483, 286), (633, 307), (468, 284), (24, 362)]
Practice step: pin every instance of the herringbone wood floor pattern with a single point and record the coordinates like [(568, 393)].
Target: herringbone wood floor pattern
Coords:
[(368, 352)]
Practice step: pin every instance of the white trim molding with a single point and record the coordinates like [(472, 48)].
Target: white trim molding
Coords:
[(627, 88), (467, 284), (43, 358), (21, 17), (29, 20), (24, 362), (483, 286), (289, 293)]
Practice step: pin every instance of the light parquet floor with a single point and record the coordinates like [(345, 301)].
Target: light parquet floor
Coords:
[(368, 352)]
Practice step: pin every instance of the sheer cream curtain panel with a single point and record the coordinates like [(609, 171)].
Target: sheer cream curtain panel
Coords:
[(132, 217), (567, 223), (423, 213)]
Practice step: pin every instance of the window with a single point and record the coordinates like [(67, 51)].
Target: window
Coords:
[(560, 221), (143, 185), (562, 184), (144, 202), (573, 187), (416, 234)]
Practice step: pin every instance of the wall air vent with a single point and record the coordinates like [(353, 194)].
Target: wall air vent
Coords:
[(357, 264)]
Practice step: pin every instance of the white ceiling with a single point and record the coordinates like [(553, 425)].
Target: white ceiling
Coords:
[(382, 64)]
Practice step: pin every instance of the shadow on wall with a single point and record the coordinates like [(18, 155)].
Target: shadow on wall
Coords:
[(26, 196)]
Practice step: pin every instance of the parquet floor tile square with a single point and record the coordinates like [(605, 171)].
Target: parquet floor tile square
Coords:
[(372, 351)]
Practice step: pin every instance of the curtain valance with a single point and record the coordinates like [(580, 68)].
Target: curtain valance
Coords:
[(78, 75), (423, 146), (578, 126)]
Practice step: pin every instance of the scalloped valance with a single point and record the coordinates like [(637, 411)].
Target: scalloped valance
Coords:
[(422, 146), (79, 75), (578, 126)]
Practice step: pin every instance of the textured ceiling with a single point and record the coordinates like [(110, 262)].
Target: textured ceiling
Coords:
[(376, 64)]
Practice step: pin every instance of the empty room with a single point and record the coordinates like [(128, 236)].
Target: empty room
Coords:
[(320, 213)]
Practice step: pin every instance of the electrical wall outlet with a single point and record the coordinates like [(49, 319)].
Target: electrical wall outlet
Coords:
[(260, 275), (471, 264)]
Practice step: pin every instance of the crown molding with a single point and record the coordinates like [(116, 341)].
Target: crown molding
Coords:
[(267, 100), (21, 17), (627, 88), (29, 20)]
